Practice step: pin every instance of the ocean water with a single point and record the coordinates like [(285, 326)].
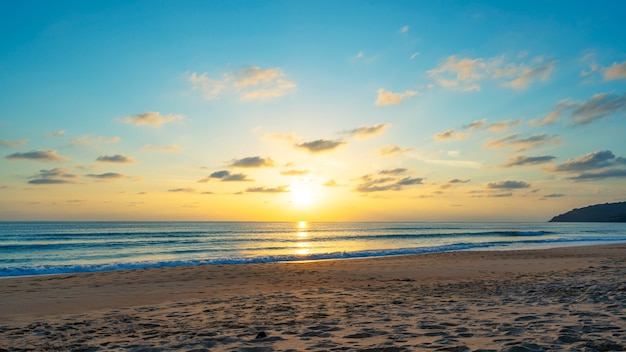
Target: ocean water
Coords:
[(40, 248)]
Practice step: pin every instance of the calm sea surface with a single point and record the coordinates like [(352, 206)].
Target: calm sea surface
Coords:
[(38, 248)]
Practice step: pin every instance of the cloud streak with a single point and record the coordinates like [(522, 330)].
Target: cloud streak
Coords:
[(465, 74), (386, 97), (320, 145), (117, 159), (527, 160), (367, 131), (38, 155), (250, 82), (151, 119), (596, 108), (523, 143), (56, 176), (252, 162), (370, 185)]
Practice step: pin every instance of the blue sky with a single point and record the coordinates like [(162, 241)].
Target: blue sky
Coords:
[(310, 110)]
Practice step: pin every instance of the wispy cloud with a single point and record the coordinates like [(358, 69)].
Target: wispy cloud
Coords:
[(369, 184), (279, 189), (600, 175), (396, 171), (58, 133), (508, 184), (227, 176), (54, 176), (367, 131), (209, 88), (597, 107), (523, 143), (615, 71), (527, 160), (118, 158), (182, 190), (386, 97), (294, 172), (152, 119), (91, 139), (107, 176), (449, 134), (250, 82), (320, 145), (596, 160), (404, 29), (38, 155), (331, 183), (15, 143), (454, 182), (392, 151), (163, 149), (252, 162), (465, 74)]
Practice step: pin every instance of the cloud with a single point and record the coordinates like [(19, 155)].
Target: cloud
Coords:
[(386, 97), (38, 155), (554, 195), (119, 159), (597, 107), (106, 176), (369, 184), (527, 75), (454, 182), (476, 124), (58, 133), (464, 74), (449, 134), (52, 177), (599, 175), (392, 151), (182, 190), (152, 119), (508, 184), (615, 71), (514, 140), (591, 161), (209, 88), (367, 131), (320, 145), (163, 149), (250, 82), (330, 183), (253, 161), (397, 171), (294, 172), (404, 29), (17, 143), (279, 189), (226, 176), (91, 139), (503, 125), (527, 160)]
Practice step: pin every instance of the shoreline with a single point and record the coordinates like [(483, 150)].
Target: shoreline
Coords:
[(376, 302)]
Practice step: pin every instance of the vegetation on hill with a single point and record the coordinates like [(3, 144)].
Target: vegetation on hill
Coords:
[(608, 212)]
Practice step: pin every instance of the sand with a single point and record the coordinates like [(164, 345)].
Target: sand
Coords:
[(568, 299)]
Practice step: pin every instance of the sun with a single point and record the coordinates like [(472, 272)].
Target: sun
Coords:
[(302, 196)]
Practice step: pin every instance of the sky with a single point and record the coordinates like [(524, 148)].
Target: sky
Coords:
[(310, 110)]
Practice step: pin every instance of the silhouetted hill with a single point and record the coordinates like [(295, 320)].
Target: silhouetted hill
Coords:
[(608, 212)]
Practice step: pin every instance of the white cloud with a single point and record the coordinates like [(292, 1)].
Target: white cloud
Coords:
[(250, 82), (152, 119), (386, 97), (615, 71), (465, 74), (209, 88)]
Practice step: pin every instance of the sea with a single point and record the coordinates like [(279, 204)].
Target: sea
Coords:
[(45, 248)]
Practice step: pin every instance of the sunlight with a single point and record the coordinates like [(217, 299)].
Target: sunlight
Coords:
[(301, 195)]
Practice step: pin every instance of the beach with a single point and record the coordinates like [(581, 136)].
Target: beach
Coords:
[(570, 299)]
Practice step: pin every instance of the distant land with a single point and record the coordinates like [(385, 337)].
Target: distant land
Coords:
[(608, 212)]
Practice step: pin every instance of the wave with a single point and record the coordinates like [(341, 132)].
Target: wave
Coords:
[(113, 266)]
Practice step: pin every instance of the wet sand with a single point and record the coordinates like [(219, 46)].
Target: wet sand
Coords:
[(567, 299)]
